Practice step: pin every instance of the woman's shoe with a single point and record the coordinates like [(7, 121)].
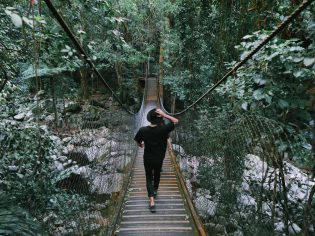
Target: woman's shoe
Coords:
[(152, 208)]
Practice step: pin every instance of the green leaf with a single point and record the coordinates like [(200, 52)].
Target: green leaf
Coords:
[(308, 61), (258, 94), (297, 59), (245, 105), (296, 49), (43, 70), (283, 104), (298, 73), (272, 56), (28, 21), (16, 20)]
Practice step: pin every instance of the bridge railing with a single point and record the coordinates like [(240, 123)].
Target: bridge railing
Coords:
[(65, 164), (238, 171)]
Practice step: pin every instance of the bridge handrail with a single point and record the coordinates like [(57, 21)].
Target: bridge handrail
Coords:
[(196, 219)]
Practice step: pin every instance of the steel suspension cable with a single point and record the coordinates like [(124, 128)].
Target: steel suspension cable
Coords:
[(84, 55), (290, 18)]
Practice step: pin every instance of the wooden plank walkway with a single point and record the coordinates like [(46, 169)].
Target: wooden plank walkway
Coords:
[(171, 218)]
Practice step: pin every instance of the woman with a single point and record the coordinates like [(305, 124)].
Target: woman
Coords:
[(154, 140)]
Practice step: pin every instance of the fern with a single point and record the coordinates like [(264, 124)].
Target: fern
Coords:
[(15, 220), (42, 70)]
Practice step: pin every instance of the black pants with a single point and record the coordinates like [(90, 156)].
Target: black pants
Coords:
[(152, 175)]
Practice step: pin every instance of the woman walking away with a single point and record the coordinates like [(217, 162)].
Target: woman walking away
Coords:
[(154, 140)]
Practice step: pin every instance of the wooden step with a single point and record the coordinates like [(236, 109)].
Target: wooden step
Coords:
[(155, 216), (171, 217), (156, 228), (155, 233), (158, 201), (146, 212), (160, 204)]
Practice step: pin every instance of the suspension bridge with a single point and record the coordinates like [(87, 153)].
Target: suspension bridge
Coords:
[(173, 216), (108, 172)]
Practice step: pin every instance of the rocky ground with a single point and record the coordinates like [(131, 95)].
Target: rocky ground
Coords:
[(257, 178), (92, 151)]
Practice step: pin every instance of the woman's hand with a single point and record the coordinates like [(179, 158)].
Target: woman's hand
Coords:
[(160, 112)]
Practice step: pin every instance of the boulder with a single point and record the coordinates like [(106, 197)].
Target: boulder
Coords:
[(107, 184), (205, 207), (49, 118), (74, 182), (79, 157), (73, 108), (19, 117), (294, 229), (177, 148), (215, 229)]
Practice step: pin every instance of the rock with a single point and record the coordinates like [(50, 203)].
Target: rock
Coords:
[(49, 119), (13, 168), (104, 132), (44, 128), (93, 124), (75, 183), (94, 152), (62, 158), (297, 181), (19, 117), (237, 233), (84, 171), (215, 229), (73, 108), (55, 139), (39, 95), (100, 141), (267, 207), (121, 162), (245, 186), (59, 166), (205, 207), (29, 116), (189, 187), (293, 228), (183, 164), (79, 157), (247, 200), (232, 226), (124, 128), (66, 140), (107, 184), (177, 148), (69, 148)]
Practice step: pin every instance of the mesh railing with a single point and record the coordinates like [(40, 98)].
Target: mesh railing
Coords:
[(238, 171), (64, 169)]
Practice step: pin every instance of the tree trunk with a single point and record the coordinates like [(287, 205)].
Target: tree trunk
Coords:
[(118, 69), (84, 84), (173, 101), (53, 95)]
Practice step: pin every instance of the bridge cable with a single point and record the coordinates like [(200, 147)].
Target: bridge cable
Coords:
[(84, 55), (290, 18)]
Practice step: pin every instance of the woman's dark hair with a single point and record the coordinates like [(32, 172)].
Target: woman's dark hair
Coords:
[(153, 117)]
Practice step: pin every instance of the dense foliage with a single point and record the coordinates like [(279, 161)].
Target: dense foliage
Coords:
[(190, 44)]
